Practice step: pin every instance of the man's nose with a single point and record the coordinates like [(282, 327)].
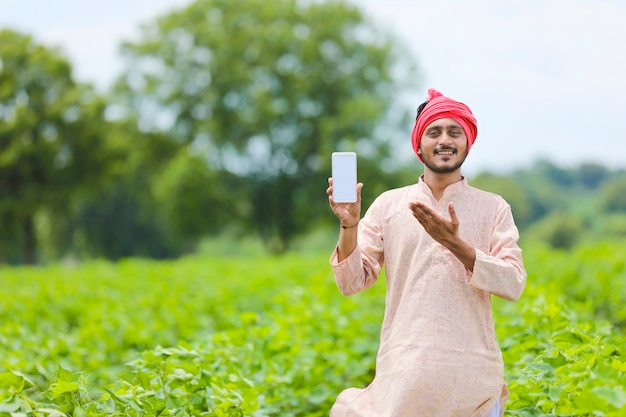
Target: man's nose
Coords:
[(445, 138)]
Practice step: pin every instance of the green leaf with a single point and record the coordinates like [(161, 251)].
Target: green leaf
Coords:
[(11, 407), (61, 387), (554, 392), (542, 370), (180, 375), (613, 395), (618, 364), (557, 361), (14, 381), (63, 375), (51, 412), (568, 337)]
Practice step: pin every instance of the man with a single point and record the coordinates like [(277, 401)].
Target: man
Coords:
[(446, 247)]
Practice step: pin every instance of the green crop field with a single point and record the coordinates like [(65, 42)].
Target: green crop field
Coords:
[(272, 336)]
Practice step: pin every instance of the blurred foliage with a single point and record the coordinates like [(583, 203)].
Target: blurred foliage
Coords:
[(613, 196), (611, 225), (266, 91), (51, 142), (223, 122), (561, 206), (188, 186), (511, 191), (559, 230)]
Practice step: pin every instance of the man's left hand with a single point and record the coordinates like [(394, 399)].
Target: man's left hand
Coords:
[(445, 231), (439, 228)]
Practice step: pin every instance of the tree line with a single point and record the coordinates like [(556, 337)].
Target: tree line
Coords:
[(559, 206), (223, 120)]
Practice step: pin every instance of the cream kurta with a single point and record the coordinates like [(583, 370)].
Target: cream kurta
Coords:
[(438, 355)]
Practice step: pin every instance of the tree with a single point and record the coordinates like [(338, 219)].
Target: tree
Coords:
[(50, 136), (592, 175), (122, 218), (266, 91), (193, 199), (556, 175), (559, 230), (613, 195)]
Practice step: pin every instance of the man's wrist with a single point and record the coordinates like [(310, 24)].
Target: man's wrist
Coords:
[(348, 227)]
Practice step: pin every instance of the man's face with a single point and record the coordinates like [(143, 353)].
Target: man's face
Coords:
[(443, 146)]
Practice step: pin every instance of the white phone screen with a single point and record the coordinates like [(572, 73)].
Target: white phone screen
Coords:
[(344, 177)]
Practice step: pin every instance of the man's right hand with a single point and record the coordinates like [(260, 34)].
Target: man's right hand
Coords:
[(348, 214)]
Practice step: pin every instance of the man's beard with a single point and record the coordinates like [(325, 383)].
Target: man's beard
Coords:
[(444, 169)]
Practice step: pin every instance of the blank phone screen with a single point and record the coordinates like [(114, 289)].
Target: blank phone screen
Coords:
[(344, 177)]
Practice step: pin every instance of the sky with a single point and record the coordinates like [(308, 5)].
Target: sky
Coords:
[(546, 79)]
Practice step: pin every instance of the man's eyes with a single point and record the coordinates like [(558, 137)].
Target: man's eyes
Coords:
[(435, 133)]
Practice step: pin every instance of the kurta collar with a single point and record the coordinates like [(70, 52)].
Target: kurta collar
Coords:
[(452, 189)]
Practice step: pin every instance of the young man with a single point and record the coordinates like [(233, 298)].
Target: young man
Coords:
[(447, 247)]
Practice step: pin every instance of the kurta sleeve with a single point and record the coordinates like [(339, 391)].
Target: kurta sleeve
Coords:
[(501, 270), (361, 268)]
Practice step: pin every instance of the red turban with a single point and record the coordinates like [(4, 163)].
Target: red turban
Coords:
[(441, 107)]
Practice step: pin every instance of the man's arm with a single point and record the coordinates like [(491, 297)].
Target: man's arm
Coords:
[(354, 270), (347, 242), (349, 215), (501, 273)]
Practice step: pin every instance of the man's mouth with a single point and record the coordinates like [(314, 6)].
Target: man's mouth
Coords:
[(449, 152)]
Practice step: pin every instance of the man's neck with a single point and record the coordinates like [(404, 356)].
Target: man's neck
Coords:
[(439, 182)]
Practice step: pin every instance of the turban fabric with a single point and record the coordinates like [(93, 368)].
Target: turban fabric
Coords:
[(441, 107)]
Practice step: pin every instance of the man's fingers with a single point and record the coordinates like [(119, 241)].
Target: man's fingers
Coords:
[(420, 214), (359, 186), (423, 210), (452, 213), (426, 210)]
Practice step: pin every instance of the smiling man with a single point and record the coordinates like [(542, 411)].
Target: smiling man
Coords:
[(447, 248)]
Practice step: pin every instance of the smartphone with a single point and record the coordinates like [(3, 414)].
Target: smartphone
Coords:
[(344, 177)]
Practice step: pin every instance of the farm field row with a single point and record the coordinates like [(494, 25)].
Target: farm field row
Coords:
[(272, 336)]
